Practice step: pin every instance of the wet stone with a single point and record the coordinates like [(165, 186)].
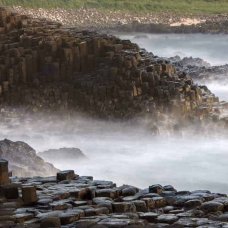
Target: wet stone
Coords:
[(11, 191), (29, 195), (140, 205), (131, 191), (167, 218), (111, 222), (61, 204), (51, 222), (4, 176), (156, 189), (79, 203), (150, 203), (212, 206), (69, 217), (222, 218), (66, 175), (106, 193), (192, 222), (123, 207), (149, 216), (193, 203), (159, 202), (21, 218), (169, 188)]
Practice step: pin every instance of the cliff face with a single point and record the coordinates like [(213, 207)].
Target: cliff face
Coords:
[(23, 160), (45, 67)]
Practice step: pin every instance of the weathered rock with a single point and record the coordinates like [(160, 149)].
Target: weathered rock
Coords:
[(51, 222), (156, 189), (193, 203), (23, 161), (29, 195), (4, 172), (69, 217), (110, 193), (93, 73), (212, 206), (169, 218), (123, 207), (149, 216), (66, 175), (10, 191)]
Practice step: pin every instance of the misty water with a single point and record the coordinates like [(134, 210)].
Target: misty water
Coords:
[(128, 153)]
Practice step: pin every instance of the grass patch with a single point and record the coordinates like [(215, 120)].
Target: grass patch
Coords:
[(178, 6)]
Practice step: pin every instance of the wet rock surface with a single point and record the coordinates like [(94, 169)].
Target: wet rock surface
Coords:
[(200, 70), (23, 159), (80, 201)]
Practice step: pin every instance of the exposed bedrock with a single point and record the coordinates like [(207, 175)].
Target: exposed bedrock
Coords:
[(69, 200), (23, 160), (45, 67)]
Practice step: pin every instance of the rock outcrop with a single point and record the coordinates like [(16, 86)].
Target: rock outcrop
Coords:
[(63, 154), (200, 70), (70, 200), (45, 67), (23, 160)]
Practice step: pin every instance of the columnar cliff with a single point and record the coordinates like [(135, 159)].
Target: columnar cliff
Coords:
[(46, 67)]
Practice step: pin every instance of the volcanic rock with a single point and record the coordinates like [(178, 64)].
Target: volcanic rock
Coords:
[(23, 159)]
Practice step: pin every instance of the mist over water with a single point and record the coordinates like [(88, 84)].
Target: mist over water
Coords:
[(220, 89), (128, 153)]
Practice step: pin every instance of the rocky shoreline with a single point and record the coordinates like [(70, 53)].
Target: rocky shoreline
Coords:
[(69, 200)]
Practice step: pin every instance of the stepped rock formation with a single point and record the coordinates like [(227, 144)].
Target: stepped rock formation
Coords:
[(69, 200), (62, 154), (46, 67), (23, 160)]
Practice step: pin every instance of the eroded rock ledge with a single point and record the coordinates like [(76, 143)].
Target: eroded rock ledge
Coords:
[(70, 200)]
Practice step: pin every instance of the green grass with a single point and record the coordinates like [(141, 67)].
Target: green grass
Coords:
[(182, 6)]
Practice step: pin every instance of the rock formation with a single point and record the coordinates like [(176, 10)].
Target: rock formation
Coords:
[(23, 160), (70, 200), (63, 154), (200, 70), (45, 67)]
